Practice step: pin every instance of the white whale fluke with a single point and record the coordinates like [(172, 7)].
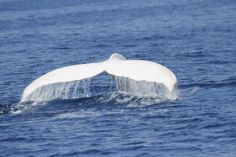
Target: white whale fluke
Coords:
[(116, 65)]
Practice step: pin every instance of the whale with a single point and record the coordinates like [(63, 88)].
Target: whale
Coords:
[(116, 65)]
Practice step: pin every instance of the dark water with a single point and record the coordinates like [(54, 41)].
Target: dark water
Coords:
[(195, 39)]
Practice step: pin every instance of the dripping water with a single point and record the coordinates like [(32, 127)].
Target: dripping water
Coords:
[(67, 90), (144, 88), (91, 87)]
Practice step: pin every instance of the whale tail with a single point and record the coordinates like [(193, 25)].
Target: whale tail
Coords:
[(138, 71)]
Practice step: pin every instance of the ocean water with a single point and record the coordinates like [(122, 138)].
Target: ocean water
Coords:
[(196, 39)]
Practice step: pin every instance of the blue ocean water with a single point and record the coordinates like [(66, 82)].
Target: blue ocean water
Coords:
[(195, 39)]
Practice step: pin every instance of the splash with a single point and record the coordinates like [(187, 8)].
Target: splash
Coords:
[(112, 89), (130, 101)]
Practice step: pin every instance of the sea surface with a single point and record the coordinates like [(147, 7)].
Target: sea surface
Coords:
[(196, 39)]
